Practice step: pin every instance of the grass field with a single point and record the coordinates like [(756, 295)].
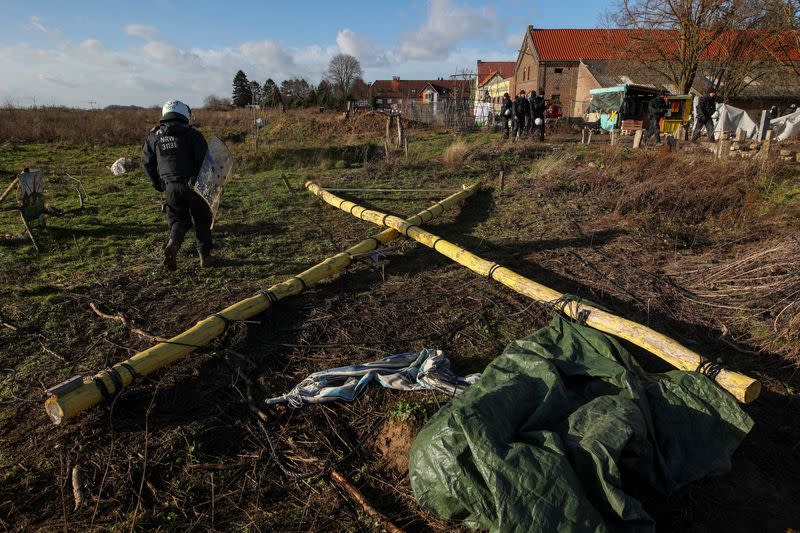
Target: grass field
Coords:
[(641, 233)]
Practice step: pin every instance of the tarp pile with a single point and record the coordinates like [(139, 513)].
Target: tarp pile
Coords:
[(786, 127), (562, 428), (427, 370), (732, 119)]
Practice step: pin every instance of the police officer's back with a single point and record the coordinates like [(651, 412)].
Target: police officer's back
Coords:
[(172, 156)]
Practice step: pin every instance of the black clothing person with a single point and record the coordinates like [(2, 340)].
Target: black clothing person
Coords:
[(522, 110), (656, 110), (507, 114), (706, 108), (172, 156)]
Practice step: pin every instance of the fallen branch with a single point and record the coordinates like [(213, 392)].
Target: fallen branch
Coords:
[(119, 317), (77, 487), (362, 501), (8, 189), (29, 232), (79, 188)]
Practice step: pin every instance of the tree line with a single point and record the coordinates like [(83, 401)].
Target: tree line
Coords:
[(343, 81)]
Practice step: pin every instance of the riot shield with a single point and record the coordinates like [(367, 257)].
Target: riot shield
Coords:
[(213, 175), (30, 195)]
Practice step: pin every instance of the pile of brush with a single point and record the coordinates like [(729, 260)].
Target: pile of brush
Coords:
[(753, 297)]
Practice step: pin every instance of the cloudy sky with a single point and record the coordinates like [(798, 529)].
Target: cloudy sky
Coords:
[(148, 51)]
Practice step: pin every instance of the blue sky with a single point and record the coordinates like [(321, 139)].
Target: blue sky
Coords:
[(148, 51)]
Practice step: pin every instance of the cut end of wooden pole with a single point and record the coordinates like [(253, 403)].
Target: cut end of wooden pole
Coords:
[(751, 392), (54, 410)]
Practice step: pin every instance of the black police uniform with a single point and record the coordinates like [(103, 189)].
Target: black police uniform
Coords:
[(538, 107), (508, 120), (706, 108), (656, 110), (523, 111), (172, 156)]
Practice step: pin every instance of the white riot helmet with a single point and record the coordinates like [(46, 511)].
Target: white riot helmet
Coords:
[(175, 108), (539, 121)]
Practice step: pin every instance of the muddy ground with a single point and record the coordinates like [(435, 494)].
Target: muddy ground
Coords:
[(183, 450)]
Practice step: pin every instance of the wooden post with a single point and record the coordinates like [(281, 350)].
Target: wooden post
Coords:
[(502, 181), (724, 150), (589, 141), (766, 145), (388, 132), (637, 138), (405, 145), (740, 135), (399, 132), (583, 136), (613, 136)]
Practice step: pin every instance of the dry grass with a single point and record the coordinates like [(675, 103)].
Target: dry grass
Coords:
[(455, 154), (115, 127)]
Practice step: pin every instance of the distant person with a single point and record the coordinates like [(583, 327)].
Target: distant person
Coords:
[(706, 108), (656, 110), (172, 156), (522, 110), (507, 114), (773, 112), (538, 108)]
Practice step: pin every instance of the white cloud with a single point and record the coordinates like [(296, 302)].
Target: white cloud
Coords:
[(35, 23), (149, 33), (367, 52), (448, 24)]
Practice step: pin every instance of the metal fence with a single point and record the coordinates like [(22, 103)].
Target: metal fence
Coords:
[(451, 113)]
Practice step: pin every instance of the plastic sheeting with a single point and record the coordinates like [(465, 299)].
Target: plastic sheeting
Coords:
[(214, 174), (429, 369), (560, 431), (731, 119), (786, 127), (606, 102)]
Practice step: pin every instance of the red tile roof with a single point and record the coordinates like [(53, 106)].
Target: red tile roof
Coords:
[(487, 69), (622, 44), (413, 88)]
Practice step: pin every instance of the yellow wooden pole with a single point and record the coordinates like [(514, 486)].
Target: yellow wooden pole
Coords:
[(744, 388), (81, 392)]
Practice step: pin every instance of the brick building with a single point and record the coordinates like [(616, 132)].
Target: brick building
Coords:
[(565, 64), (397, 92)]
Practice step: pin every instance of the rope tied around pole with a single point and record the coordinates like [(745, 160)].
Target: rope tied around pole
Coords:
[(710, 368), (563, 304)]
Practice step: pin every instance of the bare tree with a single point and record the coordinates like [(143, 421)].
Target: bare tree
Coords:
[(743, 54), (343, 70), (783, 45), (673, 36)]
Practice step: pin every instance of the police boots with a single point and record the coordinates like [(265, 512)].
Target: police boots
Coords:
[(206, 259), (171, 255)]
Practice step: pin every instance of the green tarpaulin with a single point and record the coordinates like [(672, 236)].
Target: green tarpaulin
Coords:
[(607, 102), (562, 428)]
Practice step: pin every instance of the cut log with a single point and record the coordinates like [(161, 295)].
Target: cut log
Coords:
[(743, 388), (82, 392)]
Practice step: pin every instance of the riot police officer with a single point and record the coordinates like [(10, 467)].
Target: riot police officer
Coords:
[(172, 156)]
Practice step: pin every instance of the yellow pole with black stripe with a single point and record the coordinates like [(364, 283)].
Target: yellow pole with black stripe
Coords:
[(82, 392), (743, 388)]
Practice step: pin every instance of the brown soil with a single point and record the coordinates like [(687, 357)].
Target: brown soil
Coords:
[(394, 443), (183, 450)]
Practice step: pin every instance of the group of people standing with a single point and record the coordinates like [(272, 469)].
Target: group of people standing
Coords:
[(525, 114)]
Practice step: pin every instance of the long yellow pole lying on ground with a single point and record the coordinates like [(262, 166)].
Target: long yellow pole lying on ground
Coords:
[(79, 393), (744, 388)]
